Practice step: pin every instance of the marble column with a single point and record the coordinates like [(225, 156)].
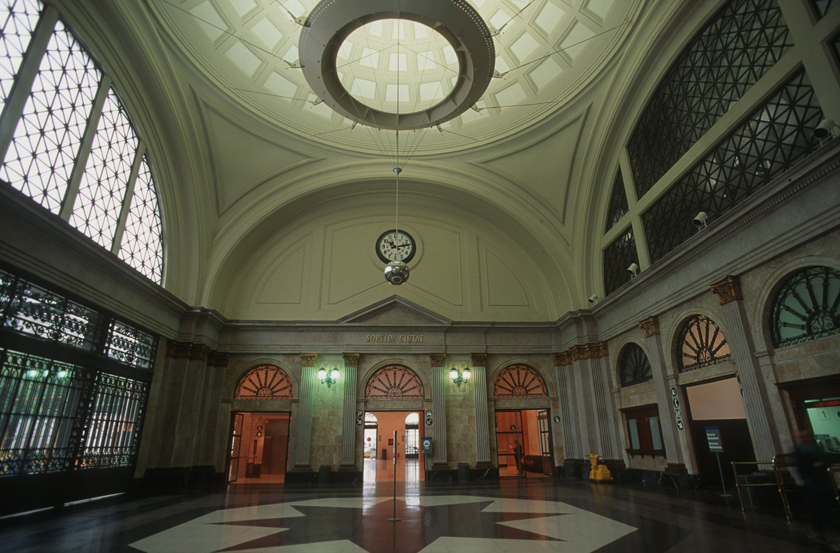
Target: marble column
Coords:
[(439, 461), (568, 414), (756, 399), (599, 428), (667, 422), (482, 422), (348, 427), (303, 429)]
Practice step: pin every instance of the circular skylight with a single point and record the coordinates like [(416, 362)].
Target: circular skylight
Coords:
[(397, 66)]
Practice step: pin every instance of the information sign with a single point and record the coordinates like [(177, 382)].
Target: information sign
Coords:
[(713, 437)]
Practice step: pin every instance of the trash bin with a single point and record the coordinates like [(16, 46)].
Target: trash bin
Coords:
[(463, 472), (384, 455), (324, 474)]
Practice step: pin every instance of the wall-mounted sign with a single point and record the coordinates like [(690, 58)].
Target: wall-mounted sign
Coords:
[(680, 424), (360, 421), (429, 413), (360, 413), (426, 445), (429, 421), (673, 391), (676, 403), (556, 419)]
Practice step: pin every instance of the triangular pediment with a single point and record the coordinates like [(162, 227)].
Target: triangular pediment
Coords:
[(395, 311)]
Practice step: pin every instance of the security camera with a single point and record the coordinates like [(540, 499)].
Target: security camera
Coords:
[(826, 129), (593, 298), (633, 269), (700, 220)]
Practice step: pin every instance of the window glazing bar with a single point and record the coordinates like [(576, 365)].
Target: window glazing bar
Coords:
[(129, 196)]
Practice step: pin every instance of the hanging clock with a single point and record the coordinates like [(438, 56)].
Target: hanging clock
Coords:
[(395, 245)]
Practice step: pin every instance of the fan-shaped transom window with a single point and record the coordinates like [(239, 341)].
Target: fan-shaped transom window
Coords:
[(519, 381), (394, 382), (702, 344), (264, 382), (807, 307), (635, 367)]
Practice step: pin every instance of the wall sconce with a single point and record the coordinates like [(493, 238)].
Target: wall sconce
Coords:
[(328, 379), (459, 377)]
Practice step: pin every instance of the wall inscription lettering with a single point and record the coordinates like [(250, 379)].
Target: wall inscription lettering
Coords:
[(395, 338)]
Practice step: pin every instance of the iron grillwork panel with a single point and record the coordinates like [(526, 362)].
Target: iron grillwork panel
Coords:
[(519, 381), (635, 366), (773, 139), (394, 382), (618, 202), (728, 56), (37, 311), (702, 344), (821, 7), (264, 382), (45, 147), (807, 307), (130, 346), (18, 24), (618, 256)]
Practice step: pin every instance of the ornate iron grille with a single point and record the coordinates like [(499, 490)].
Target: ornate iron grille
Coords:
[(821, 7), (728, 56), (702, 344), (773, 139), (519, 381), (807, 307), (264, 382), (635, 367), (31, 309), (130, 345), (50, 134), (394, 382), (618, 256), (21, 16), (618, 202)]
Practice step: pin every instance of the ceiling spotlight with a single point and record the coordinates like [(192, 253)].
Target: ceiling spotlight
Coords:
[(593, 298), (633, 269), (700, 220), (396, 272), (826, 129)]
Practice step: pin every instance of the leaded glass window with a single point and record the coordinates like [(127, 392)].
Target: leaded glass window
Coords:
[(17, 23), (58, 124), (773, 139), (41, 157), (807, 307), (264, 382), (635, 367), (821, 7), (103, 187), (618, 256), (618, 202), (519, 381), (702, 344), (728, 56), (394, 382)]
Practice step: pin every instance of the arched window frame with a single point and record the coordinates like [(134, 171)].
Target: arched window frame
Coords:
[(810, 295), (519, 381), (264, 382), (703, 336), (634, 366), (394, 382)]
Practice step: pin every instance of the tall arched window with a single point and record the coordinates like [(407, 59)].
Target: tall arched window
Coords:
[(702, 344), (74, 149), (635, 367), (394, 382), (807, 307), (519, 381), (264, 382)]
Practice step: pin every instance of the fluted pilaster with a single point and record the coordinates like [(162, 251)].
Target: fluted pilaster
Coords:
[(348, 429), (439, 400), (482, 424), (303, 436)]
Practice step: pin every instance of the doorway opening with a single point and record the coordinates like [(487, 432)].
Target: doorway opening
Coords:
[(259, 448), (378, 446), (529, 431)]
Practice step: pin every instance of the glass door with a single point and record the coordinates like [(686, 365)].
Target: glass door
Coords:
[(508, 440), (235, 442), (544, 424)]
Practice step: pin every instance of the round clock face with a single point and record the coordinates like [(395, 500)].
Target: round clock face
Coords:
[(395, 246)]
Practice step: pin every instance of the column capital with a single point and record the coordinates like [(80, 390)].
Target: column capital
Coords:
[(217, 359), (727, 290), (478, 359), (588, 351), (437, 359), (650, 326), (185, 350), (351, 359), (308, 359), (562, 358)]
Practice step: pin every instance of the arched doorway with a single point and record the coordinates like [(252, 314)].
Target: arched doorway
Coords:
[(259, 443), (523, 431), (394, 397)]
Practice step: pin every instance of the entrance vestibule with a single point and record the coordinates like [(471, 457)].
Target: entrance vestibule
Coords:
[(530, 427), (378, 447), (259, 447)]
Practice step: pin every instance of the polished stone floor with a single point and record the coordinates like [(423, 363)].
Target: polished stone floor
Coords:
[(516, 516)]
